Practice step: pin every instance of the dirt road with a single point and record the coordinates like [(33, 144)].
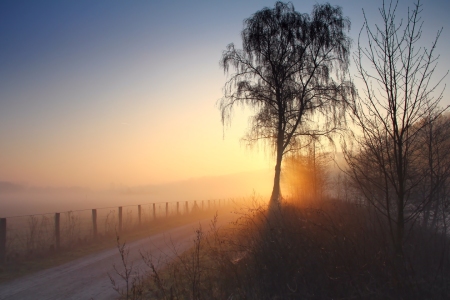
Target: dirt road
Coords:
[(87, 278)]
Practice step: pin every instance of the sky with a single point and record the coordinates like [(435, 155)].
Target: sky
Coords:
[(104, 93)]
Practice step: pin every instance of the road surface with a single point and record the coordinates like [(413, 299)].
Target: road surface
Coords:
[(87, 277)]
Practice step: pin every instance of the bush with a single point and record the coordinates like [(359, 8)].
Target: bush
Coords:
[(325, 250)]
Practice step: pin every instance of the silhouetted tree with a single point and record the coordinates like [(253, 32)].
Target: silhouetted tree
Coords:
[(399, 99), (285, 73)]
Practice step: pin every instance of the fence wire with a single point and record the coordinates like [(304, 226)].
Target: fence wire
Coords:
[(35, 235)]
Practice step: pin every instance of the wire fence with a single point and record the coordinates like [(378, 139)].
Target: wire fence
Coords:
[(34, 235)]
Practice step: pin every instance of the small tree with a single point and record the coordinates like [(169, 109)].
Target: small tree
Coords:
[(284, 72), (398, 95)]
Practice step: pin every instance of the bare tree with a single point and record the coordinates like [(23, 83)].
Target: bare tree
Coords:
[(399, 93), (285, 73)]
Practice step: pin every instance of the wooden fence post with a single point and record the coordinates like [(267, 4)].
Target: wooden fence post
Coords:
[(167, 209), (57, 231), (139, 214), (154, 211), (178, 208), (209, 204), (94, 222), (2, 240), (203, 206), (187, 207), (120, 218)]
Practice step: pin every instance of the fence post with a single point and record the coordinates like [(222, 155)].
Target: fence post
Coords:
[(178, 208), (2, 240), (94, 222), (209, 204), (187, 207), (57, 231), (167, 209), (120, 218), (203, 206), (139, 214), (154, 211), (219, 202)]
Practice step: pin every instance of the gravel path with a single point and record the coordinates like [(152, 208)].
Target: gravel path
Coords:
[(87, 277)]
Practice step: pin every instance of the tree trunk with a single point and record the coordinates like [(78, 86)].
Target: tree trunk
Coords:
[(400, 228), (275, 197), (276, 192), (401, 160)]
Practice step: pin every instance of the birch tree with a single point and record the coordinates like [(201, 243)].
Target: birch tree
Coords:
[(290, 69)]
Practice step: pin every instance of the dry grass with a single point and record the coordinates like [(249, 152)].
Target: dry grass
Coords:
[(324, 250)]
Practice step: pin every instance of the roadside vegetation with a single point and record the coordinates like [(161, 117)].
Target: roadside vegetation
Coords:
[(316, 249)]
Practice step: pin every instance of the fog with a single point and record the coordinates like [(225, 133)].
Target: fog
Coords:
[(18, 199)]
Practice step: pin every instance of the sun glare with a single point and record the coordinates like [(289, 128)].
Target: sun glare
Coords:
[(305, 175)]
